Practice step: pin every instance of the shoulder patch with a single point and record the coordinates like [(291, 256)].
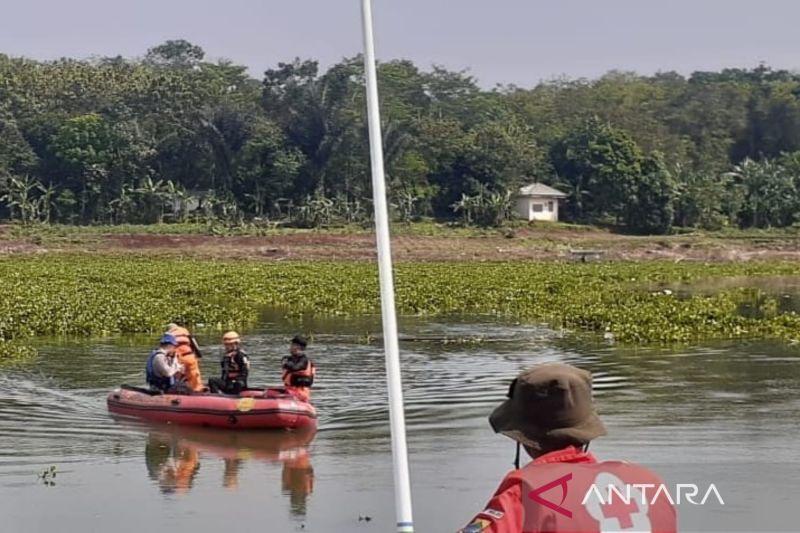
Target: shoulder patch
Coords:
[(476, 526), (493, 513)]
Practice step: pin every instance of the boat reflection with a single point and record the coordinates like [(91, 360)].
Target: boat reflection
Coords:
[(173, 457)]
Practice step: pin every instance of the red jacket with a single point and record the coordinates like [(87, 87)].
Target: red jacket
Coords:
[(554, 493)]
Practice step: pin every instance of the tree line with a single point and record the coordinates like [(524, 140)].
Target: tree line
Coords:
[(173, 137)]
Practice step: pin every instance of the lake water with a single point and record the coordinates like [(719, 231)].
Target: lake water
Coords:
[(725, 413)]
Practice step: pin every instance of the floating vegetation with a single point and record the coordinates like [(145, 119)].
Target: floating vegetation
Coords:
[(48, 476), (97, 295), (12, 352)]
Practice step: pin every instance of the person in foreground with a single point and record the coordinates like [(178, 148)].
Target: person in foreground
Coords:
[(235, 366), (162, 366), (549, 412), (298, 370), (188, 355)]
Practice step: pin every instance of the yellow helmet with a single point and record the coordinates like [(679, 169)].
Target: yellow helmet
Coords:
[(231, 336)]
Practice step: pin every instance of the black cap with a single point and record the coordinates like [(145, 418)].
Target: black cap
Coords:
[(300, 341)]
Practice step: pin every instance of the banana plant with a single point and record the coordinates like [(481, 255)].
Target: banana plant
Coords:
[(20, 196)]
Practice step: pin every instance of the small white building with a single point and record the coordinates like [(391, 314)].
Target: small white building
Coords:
[(538, 201)]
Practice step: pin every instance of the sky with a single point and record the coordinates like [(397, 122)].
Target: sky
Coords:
[(500, 41)]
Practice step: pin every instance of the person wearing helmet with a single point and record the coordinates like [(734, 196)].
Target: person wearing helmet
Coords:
[(162, 366), (298, 370), (235, 367), (188, 355), (549, 412)]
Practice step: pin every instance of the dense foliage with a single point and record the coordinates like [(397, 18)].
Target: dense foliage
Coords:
[(172, 137), (97, 295)]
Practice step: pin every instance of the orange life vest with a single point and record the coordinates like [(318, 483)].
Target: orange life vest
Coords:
[(299, 382), (300, 378), (187, 357)]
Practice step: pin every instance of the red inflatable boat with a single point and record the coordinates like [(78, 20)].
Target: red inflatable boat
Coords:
[(251, 410)]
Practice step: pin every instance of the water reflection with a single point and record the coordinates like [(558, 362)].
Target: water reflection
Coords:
[(173, 457), (171, 463)]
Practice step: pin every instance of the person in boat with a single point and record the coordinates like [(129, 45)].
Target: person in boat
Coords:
[(188, 354), (162, 369), (235, 367), (549, 412), (298, 370)]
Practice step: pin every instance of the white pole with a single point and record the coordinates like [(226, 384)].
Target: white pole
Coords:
[(402, 483)]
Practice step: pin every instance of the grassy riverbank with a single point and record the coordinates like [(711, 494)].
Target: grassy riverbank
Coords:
[(100, 295)]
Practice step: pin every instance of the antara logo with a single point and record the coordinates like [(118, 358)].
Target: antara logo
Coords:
[(536, 495), (638, 492), (609, 497)]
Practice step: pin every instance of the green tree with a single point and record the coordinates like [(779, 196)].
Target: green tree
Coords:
[(92, 133), (16, 155), (650, 209), (175, 53), (265, 169), (316, 112), (84, 145), (773, 121), (770, 194), (601, 166), (700, 198)]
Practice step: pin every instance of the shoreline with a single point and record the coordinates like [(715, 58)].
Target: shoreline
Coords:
[(410, 243)]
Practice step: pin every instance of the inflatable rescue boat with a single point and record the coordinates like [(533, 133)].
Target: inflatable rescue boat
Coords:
[(253, 409)]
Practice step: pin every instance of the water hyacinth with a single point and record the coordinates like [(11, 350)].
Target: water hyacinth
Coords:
[(101, 295), (12, 352)]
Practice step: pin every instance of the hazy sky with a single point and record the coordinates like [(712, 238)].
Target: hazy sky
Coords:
[(500, 41)]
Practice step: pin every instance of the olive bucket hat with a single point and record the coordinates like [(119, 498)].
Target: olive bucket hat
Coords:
[(549, 403)]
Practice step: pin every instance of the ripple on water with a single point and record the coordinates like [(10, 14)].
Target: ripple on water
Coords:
[(36, 417), (448, 385)]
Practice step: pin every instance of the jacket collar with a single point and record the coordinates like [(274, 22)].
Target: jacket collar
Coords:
[(570, 454)]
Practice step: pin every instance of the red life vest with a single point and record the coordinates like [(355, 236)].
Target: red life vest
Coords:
[(568, 491)]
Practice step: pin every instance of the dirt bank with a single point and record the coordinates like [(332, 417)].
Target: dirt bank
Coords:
[(518, 245)]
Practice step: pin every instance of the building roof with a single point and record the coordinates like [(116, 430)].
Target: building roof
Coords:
[(540, 189)]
